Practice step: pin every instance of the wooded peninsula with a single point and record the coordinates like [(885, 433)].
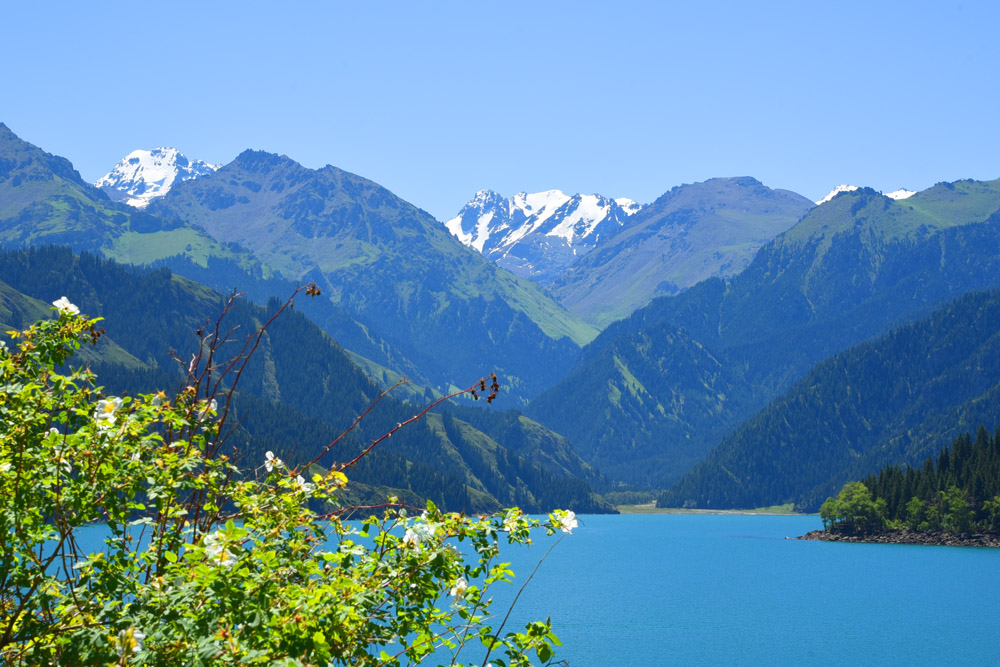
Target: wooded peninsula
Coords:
[(952, 499)]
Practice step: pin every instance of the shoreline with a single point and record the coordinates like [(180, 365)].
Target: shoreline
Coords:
[(934, 538), (651, 508)]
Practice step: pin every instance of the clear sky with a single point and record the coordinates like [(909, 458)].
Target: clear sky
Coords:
[(436, 100)]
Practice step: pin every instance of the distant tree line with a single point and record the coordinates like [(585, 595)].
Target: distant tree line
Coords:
[(957, 491)]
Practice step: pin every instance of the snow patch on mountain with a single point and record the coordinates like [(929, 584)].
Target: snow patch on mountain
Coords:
[(836, 191), (900, 194), (630, 206), (538, 234), (142, 175)]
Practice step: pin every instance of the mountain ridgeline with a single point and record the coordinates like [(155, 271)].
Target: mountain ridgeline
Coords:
[(604, 258), (852, 269), (758, 349), (404, 289), (539, 235), (390, 265), (299, 391), (44, 200), (691, 233)]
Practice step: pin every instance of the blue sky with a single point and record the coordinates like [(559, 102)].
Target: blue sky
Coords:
[(438, 100)]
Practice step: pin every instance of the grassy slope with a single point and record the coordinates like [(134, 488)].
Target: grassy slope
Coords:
[(689, 234), (44, 200)]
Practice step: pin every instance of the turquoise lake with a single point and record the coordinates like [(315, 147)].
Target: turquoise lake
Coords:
[(676, 589), (668, 589)]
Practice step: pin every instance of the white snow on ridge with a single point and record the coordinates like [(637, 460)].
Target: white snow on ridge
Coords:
[(836, 191), (581, 222), (144, 175), (540, 205), (902, 193), (501, 223), (536, 235), (455, 227), (483, 231), (630, 206)]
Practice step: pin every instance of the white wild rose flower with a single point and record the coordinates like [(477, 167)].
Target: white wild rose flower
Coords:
[(216, 551), (63, 305), (458, 590), (303, 485), (567, 522), (510, 519), (105, 412), (271, 461), (210, 407)]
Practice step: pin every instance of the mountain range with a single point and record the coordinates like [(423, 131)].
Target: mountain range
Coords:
[(538, 235), (902, 193), (399, 290), (604, 258), (437, 307), (689, 234), (652, 395), (704, 343)]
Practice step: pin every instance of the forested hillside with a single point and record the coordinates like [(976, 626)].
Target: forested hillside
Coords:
[(299, 391), (851, 269), (892, 400)]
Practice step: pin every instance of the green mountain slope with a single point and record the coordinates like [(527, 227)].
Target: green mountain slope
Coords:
[(892, 400), (44, 200), (689, 234), (842, 275), (405, 295), (389, 265), (646, 406), (298, 392)]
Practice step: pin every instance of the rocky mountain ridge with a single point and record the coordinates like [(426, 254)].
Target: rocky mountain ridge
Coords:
[(143, 175), (538, 235)]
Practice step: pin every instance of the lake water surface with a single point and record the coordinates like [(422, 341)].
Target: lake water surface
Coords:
[(668, 589)]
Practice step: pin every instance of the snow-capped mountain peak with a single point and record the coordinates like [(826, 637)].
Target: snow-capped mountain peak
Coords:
[(630, 206), (538, 234), (144, 175), (836, 191), (902, 193)]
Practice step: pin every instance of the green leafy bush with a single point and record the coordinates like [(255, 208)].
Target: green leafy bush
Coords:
[(207, 563)]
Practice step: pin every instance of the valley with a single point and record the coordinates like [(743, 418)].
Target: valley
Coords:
[(712, 349)]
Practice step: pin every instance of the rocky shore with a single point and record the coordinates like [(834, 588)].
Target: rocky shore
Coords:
[(933, 538)]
